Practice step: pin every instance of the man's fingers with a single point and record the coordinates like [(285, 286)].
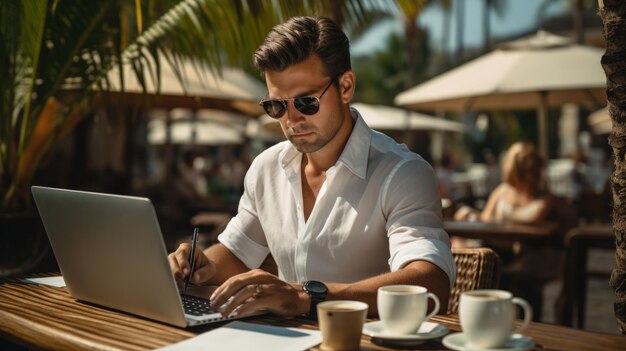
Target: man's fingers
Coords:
[(233, 285), (181, 268), (179, 264), (181, 256), (240, 298), (253, 305), (176, 270), (280, 299), (202, 273), (174, 266)]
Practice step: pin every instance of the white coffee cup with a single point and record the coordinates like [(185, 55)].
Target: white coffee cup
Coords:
[(341, 324), (402, 308), (487, 317)]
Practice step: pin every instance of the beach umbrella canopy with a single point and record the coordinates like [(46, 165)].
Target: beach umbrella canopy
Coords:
[(201, 127), (381, 117), (232, 90), (539, 72)]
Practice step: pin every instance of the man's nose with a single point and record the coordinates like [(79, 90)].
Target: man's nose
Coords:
[(292, 115)]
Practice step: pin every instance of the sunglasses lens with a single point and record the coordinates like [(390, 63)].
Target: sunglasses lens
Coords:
[(309, 105), (274, 108)]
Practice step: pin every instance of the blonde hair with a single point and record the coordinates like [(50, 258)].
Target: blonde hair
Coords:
[(523, 166)]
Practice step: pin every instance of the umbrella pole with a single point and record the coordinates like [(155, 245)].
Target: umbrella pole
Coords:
[(542, 125)]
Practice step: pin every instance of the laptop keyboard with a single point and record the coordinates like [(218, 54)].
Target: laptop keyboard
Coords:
[(196, 306)]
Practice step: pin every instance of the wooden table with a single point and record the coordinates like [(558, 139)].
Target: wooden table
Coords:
[(527, 233), (44, 317)]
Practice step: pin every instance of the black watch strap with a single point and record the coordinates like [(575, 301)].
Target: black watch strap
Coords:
[(318, 292)]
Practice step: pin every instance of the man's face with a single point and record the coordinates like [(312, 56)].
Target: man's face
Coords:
[(308, 133)]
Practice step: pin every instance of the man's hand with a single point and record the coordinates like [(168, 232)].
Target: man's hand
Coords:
[(258, 290), (203, 271)]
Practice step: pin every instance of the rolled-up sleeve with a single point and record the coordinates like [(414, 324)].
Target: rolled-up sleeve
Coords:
[(244, 235), (411, 202)]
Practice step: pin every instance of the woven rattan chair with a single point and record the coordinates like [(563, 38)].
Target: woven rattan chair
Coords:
[(476, 268)]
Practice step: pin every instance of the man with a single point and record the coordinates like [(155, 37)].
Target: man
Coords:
[(342, 209)]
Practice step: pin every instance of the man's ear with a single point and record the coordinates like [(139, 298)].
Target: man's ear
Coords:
[(346, 86)]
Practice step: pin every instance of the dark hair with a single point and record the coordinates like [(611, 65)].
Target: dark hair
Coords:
[(297, 39)]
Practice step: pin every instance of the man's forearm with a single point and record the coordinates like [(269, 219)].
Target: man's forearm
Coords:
[(225, 263), (421, 273)]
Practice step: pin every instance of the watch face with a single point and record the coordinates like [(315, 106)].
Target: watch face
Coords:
[(315, 287)]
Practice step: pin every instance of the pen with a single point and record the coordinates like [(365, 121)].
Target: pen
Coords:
[(192, 257)]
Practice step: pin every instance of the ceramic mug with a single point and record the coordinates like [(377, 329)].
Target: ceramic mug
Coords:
[(487, 317), (402, 308)]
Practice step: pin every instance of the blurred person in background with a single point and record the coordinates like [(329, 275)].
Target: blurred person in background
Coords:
[(444, 171), (522, 196), (494, 176)]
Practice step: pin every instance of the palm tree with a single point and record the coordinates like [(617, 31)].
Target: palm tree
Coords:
[(460, 30), (498, 6), (613, 13), (413, 35), (578, 8), (446, 6), (383, 75)]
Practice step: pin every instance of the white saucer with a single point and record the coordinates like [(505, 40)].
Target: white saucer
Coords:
[(517, 342), (427, 331)]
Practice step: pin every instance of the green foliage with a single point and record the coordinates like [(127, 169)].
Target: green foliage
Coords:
[(383, 74), (48, 48)]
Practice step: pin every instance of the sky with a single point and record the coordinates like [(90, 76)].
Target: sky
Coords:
[(519, 16)]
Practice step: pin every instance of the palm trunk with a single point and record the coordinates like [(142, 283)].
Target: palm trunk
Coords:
[(334, 11), (460, 30), (412, 34), (613, 13), (487, 26), (579, 25), (445, 38)]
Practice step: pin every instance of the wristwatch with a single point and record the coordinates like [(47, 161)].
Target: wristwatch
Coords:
[(317, 291)]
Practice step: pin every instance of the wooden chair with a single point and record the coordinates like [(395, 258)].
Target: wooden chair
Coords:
[(476, 268), (573, 295)]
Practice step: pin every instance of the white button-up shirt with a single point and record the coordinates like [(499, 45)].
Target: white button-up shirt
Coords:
[(378, 210)]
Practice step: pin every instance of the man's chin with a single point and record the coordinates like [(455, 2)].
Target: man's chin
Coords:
[(304, 147)]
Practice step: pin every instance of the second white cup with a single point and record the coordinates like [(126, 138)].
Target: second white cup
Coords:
[(402, 308), (487, 317)]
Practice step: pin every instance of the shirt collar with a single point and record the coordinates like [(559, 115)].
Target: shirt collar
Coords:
[(354, 155), (356, 152)]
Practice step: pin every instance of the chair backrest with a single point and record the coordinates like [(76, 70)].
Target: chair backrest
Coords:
[(476, 268)]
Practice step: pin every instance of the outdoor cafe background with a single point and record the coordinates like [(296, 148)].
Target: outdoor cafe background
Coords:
[(189, 155)]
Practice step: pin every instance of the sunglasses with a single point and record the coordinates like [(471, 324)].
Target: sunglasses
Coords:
[(308, 105)]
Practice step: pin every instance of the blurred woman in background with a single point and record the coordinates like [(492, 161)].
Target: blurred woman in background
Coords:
[(522, 196)]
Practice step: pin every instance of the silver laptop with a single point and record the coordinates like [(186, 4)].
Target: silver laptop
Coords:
[(111, 253)]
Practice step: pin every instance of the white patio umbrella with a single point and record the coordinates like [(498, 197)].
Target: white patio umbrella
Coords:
[(542, 71), (380, 117), (233, 91), (207, 127)]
